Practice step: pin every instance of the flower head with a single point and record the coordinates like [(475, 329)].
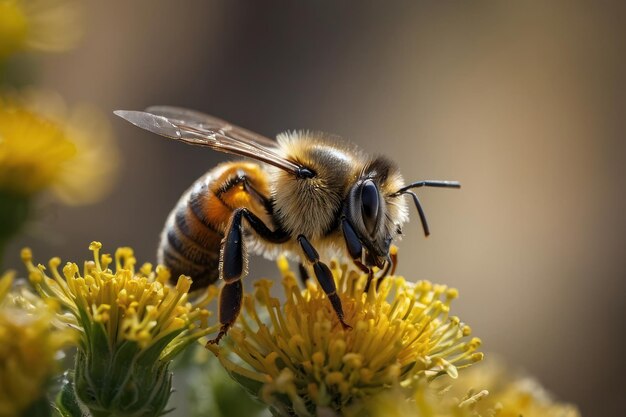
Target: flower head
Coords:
[(131, 324), (28, 349), (40, 25), (42, 145), (510, 395), (422, 400), (298, 358), (486, 390)]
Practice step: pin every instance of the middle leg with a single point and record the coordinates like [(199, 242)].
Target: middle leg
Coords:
[(324, 277)]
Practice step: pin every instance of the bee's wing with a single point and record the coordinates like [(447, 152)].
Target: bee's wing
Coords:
[(196, 128), (186, 116)]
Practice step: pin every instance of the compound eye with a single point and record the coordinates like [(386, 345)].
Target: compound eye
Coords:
[(369, 205)]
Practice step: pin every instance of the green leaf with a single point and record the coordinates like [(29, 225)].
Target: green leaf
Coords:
[(151, 355), (252, 386), (66, 402), (120, 372)]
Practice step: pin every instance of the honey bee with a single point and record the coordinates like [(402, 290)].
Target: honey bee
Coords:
[(303, 194)]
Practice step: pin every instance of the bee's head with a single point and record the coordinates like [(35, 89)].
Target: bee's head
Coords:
[(373, 212)]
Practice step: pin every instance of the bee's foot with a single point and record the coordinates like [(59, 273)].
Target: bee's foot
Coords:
[(219, 336)]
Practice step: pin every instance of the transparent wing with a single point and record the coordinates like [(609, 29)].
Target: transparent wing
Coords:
[(196, 128), (191, 117)]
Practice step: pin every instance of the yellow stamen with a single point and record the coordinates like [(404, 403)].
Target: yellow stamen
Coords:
[(132, 305), (401, 334)]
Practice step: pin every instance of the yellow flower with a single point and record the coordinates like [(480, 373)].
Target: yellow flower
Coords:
[(42, 145), (28, 348), (300, 359), (132, 324), (486, 390), (426, 401), (40, 25), (511, 395)]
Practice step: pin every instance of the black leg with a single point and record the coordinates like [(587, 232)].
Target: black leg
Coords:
[(231, 296), (370, 277), (324, 277), (390, 268), (355, 249), (304, 274), (234, 262)]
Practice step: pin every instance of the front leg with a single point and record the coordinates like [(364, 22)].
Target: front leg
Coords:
[(355, 249), (234, 265), (324, 277)]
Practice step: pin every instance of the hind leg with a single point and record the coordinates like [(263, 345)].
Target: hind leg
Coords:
[(234, 265)]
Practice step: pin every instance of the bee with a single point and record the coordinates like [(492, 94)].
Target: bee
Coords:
[(304, 194)]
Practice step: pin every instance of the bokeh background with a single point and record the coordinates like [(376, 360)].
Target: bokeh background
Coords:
[(522, 102)]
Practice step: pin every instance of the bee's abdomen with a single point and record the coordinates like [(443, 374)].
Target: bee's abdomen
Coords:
[(190, 243), (191, 239)]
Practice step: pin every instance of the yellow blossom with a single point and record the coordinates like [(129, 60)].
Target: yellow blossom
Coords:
[(423, 400), (299, 359), (132, 323), (510, 395), (29, 344), (131, 304), (485, 390), (43, 145), (39, 25)]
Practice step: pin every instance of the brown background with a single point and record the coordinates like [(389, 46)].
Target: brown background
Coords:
[(523, 103)]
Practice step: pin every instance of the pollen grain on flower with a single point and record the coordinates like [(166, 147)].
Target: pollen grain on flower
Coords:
[(299, 353)]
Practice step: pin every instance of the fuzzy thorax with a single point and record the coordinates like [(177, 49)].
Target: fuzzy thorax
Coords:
[(309, 206)]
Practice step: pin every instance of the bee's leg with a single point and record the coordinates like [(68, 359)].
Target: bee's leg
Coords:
[(234, 264), (304, 274), (367, 270), (388, 265), (324, 277), (355, 249), (390, 268), (231, 296)]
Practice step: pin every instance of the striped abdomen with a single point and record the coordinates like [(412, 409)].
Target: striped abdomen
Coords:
[(190, 242)]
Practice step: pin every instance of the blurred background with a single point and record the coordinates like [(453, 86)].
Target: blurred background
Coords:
[(521, 102)]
